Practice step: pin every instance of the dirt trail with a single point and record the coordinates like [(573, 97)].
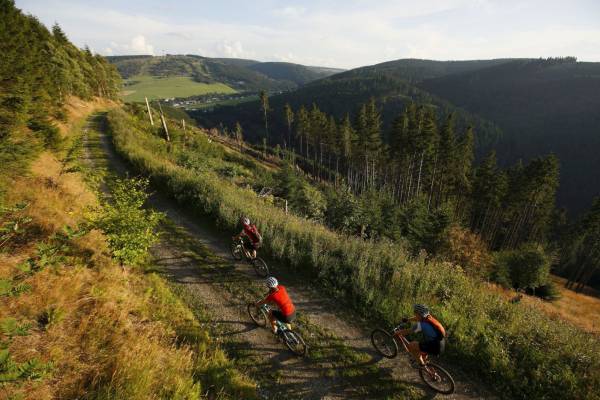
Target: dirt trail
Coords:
[(195, 257)]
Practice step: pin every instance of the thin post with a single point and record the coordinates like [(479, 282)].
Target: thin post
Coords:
[(183, 124), (164, 122), (286, 207), (149, 112)]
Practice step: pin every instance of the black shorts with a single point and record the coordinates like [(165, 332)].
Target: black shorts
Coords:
[(250, 245), (286, 319), (433, 347)]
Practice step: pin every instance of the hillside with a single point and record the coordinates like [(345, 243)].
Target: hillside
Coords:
[(521, 108), (238, 74), (542, 106), (342, 94)]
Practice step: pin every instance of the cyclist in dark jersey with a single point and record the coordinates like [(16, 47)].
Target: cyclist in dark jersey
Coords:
[(278, 295), (250, 233), (433, 332)]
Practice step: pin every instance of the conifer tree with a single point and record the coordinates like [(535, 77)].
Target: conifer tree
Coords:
[(289, 120), (264, 105)]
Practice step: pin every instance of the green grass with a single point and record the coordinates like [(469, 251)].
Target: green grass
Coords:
[(141, 86), (518, 350)]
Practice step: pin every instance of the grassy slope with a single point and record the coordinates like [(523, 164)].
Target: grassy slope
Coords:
[(515, 348), (175, 86), (77, 323)]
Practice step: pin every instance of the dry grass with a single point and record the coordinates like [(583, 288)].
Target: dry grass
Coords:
[(76, 111), (99, 336), (108, 333), (579, 309)]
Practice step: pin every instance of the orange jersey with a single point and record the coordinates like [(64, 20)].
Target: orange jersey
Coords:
[(283, 301)]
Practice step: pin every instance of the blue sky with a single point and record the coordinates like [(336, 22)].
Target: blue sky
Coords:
[(335, 33)]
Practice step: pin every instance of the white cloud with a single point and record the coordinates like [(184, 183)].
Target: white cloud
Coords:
[(357, 33), (137, 45)]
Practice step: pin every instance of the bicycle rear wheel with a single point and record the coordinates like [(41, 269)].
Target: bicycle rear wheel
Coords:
[(294, 342), (260, 267), (257, 315), (437, 378), (236, 251), (384, 343)]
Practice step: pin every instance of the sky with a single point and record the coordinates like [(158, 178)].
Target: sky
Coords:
[(335, 33)]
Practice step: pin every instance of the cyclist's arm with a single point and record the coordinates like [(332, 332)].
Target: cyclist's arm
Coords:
[(408, 331), (266, 300)]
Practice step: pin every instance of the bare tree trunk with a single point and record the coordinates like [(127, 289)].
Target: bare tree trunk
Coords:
[(149, 112)]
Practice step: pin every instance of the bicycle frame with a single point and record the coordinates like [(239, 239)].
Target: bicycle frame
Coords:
[(404, 341), (245, 251), (280, 325)]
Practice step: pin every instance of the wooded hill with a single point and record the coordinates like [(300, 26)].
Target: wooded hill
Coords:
[(243, 75), (39, 70), (522, 108), (542, 106)]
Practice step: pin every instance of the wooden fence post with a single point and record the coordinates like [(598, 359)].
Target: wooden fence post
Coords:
[(149, 112)]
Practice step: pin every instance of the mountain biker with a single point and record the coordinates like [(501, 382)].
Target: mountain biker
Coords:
[(250, 233), (278, 295), (433, 332)]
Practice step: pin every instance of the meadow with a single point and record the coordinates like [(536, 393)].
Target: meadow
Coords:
[(140, 86), (519, 351)]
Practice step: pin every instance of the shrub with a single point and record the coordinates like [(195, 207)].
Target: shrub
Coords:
[(129, 227), (526, 267), (466, 249)]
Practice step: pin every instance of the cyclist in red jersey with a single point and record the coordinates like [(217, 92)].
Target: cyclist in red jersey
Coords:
[(250, 232), (278, 295)]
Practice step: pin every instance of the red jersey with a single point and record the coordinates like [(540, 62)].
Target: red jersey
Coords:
[(252, 233), (283, 301)]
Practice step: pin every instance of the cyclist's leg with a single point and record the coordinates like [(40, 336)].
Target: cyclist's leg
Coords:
[(415, 351), (288, 319), (246, 246), (272, 317)]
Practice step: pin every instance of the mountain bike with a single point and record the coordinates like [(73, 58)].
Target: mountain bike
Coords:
[(434, 376), (293, 340), (239, 252)]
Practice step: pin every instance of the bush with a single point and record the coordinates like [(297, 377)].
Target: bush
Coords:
[(526, 267), (468, 250), (129, 227)]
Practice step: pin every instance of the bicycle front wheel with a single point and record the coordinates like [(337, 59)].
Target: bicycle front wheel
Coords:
[(384, 343), (260, 267), (437, 378), (236, 251), (295, 343), (257, 315)]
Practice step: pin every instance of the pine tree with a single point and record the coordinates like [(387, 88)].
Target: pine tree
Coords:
[(289, 120), (264, 105)]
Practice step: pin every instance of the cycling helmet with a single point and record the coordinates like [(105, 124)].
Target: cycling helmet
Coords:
[(421, 309), (271, 282), (245, 221)]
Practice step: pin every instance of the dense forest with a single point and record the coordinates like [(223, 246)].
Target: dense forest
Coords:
[(39, 70), (542, 106)]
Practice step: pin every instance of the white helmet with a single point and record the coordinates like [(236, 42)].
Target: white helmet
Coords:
[(245, 220), (271, 282)]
